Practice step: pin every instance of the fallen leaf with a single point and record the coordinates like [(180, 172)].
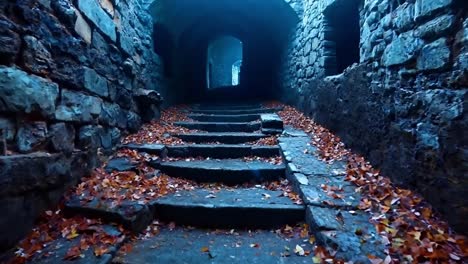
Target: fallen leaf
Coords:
[(205, 249), (299, 251), (100, 250), (73, 253)]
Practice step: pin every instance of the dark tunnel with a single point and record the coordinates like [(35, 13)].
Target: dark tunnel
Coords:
[(193, 25)]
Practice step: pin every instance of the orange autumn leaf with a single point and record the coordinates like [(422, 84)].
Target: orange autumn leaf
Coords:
[(100, 250), (205, 249), (73, 253)]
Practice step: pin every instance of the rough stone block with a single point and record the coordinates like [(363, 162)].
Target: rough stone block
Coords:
[(65, 11), (10, 41), (158, 149), (32, 136), (95, 83), (426, 8), (113, 115), (89, 137), (402, 49), (434, 56), (435, 27), (404, 16), (349, 232), (82, 28), (37, 171), (94, 12), (349, 246), (108, 7), (120, 164), (316, 195), (62, 137), (115, 136), (99, 42), (134, 216), (105, 137), (133, 122), (320, 219), (36, 57), (271, 121), (21, 92), (148, 102), (78, 107)]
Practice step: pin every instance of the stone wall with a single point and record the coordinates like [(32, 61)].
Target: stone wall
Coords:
[(404, 105), (74, 77)]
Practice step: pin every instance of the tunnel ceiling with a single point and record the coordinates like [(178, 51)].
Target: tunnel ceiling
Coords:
[(273, 18)]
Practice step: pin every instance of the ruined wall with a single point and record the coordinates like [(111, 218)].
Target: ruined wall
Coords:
[(73, 76), (404, 105)]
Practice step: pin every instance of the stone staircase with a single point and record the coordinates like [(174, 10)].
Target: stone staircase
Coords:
[(222, 163), (233, 174)]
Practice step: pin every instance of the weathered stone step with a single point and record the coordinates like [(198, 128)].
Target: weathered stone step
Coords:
[(227, 107), (238, 112), (226, 151), (62, 245), (156, 149), (187, 246), (221, 126), (132, 215), (223, 171), (229, 208), (226, 138), (224, 118)]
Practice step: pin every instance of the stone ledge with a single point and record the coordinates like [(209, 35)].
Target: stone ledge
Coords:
[(132, 215), (32, 183), (348, 232), (32, 172)]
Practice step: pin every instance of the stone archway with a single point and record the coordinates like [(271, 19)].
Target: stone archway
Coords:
[(223, 53)]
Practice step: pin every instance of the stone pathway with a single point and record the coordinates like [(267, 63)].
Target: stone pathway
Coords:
[(239, 185)]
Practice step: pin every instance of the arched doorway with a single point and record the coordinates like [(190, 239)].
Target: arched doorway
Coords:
[(224, 62)]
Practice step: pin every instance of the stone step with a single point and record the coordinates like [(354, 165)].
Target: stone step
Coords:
[(62, 245), (132, 215), (155, 149), (184, 246), (221, 126), (230, 171), (229, 208), (227, 107), (226, 138), (224, 118), (225, 151), (238, 112)]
